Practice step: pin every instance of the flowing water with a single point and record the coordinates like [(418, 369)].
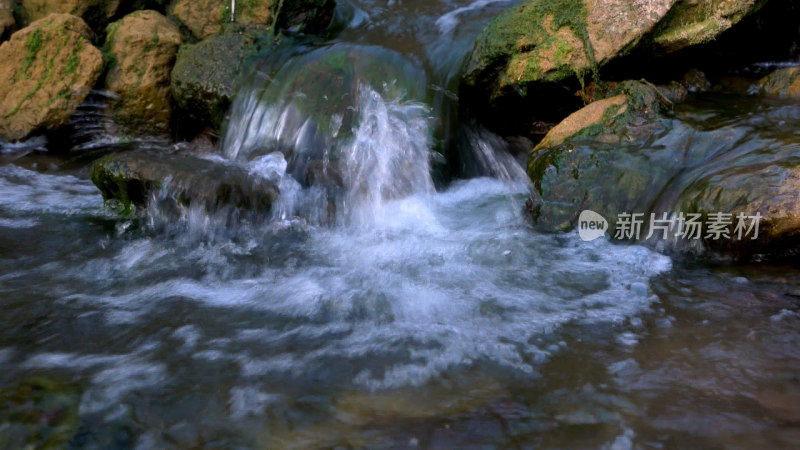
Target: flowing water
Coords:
[(371, 307)]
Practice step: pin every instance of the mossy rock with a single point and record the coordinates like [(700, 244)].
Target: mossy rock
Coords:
[(48, 70), (40, 413), (782, 83), (542, 41), (140, 52), (608, 119), (318, 96), (736, 165), (130, 178), (692, 22), (205, 74)]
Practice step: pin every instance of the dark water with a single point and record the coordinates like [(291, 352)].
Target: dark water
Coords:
[(430, 318)]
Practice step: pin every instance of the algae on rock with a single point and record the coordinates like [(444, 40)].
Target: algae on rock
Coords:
[(49, 68)]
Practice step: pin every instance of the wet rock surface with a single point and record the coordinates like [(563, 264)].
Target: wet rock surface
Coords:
[(132, 177)]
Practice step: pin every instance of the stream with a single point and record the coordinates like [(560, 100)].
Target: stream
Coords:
[(376, 306)]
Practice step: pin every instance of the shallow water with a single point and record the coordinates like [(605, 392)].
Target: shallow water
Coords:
[(447, 323)]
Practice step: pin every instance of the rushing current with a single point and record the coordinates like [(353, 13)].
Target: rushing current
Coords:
[(374, 306)]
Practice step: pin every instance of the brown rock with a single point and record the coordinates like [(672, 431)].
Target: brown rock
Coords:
[(595, 113), (142, 47), (551, 40), (782, 82), (48, 69), (694, 22), (207, 17)]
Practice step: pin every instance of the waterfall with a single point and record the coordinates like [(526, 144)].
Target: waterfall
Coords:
[(348, 145)]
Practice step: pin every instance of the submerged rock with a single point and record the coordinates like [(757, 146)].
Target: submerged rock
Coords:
[(48, 70), (204, 76), (707, 164), (131, 177), (782, 82), (39, 413), (141, 48)]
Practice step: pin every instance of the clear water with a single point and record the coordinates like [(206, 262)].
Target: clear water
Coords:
[(377, 311)]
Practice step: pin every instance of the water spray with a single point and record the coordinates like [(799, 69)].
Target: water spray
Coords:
[(233, 11)]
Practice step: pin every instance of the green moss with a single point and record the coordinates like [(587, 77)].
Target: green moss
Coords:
[(113, 184), (523, 30), (72, 63), (153, 44), (109, 57), (33, 45)]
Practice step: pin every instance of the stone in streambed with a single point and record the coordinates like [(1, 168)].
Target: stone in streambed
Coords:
[(48, 70), (782, 83), (141, 51), (131, 177)]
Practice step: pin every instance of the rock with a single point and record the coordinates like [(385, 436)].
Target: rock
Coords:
[(782, 82), (48, 69), (593, 115), (695, 81), (319, 97), (744, 166), (7, 23), (141, 51), (205, 73), (208, 17), (130, 177), (674, 92), (552, 40), (692, 22), (630, 101), (39, 413), (95, 12)]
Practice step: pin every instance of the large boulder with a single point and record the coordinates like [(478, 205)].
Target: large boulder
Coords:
[(782, 82), (95, 12), (205, 73), (48, 70), (141, 51), (692, 22), (130, 177), (525, 53), (551, 40), (697, 162)]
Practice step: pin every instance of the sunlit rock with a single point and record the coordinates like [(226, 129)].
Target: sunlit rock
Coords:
[(141, 50), (48, 70)]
